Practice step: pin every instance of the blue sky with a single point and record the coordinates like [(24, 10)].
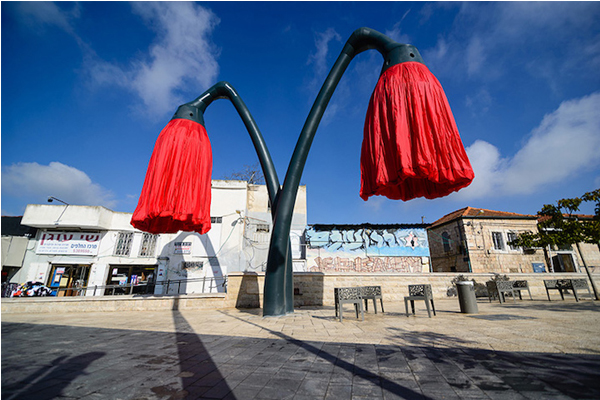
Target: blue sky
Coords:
[(87, 88)]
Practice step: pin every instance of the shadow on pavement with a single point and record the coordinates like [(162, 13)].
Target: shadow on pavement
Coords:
[(48, 381), (199, 374), (386, 384)]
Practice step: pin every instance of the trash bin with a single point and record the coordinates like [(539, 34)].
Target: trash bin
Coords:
[(466, 297)]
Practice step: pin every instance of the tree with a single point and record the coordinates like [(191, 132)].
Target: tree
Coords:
[(560, 225), (250, 173)]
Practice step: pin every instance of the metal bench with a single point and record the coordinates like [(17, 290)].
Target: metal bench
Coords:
[(419, 292), (566, 284), (348, 295), (372, 293)]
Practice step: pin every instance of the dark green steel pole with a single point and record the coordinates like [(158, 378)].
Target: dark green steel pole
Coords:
[(194, 111), (277, 279)]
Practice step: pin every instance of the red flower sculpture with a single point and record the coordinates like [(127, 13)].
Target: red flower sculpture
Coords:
[(176, 194), (411, 146)]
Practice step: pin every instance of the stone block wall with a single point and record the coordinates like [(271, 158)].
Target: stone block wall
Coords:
[(316, 289)]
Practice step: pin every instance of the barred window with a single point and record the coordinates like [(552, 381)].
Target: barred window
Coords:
[(446, 241), (216, 220), (148, 245), (123, 247), (262, 228), (498, 240), (511, 236), (191, 265)]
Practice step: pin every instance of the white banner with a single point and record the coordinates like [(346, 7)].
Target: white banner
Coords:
[(69, 243)]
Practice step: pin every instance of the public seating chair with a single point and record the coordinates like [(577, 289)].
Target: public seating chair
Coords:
[(499, 289), (348, 295), (521, 285), (419, 292), (372, 293)]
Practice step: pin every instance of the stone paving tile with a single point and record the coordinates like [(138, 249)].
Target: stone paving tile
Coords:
[(387, 357)]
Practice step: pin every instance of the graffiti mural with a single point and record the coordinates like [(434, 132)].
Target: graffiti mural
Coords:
[(369, 241), (367, 248), (369, 264)]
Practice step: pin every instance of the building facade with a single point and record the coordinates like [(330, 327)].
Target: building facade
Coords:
[(477, 240), (94, 247)]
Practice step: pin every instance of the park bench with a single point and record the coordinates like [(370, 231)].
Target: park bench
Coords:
[(419, 292), (565, 285)]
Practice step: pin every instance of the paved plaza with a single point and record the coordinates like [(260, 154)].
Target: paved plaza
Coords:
[(524, 350)]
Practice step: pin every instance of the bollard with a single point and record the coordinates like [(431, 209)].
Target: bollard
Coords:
[(466, 297)]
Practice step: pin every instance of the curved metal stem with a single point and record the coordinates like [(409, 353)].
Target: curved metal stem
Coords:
[(194, 110), (224, 90), (276, 278)]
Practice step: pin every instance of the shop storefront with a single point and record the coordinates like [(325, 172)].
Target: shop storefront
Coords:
[(67, 280), (130, 279)]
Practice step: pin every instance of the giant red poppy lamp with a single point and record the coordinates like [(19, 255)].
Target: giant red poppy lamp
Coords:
[(176, 195), (411, 146)]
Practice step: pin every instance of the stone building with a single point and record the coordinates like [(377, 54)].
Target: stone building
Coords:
[(476, 240)]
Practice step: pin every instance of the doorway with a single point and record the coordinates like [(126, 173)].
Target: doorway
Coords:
[(67, 280)]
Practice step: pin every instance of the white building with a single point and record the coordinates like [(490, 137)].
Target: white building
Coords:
[(92, 246)]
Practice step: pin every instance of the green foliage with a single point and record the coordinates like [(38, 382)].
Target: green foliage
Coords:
[(560, 226)]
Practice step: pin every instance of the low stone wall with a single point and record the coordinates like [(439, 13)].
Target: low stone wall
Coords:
[(316, 289), (245, 290), (113, 303)]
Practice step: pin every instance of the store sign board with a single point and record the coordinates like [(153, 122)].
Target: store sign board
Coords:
[(69, 243), (182, 248)]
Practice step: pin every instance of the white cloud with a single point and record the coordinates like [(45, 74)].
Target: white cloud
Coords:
[(475, 55), (319, 57), (183, 58), (565, 143), (396, 34), (56, 179), (47, 13)]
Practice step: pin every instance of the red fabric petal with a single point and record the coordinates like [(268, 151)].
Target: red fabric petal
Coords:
[(411, 147), (176, 194)]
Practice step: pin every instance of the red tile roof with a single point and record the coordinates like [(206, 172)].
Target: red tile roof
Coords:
[(470, 212)]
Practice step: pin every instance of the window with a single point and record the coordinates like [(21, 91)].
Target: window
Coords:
[(216, 220), (512, 236), (446, 241), (262, 228), (148, 245), (123, 247), (191, 266), (498, 240)]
